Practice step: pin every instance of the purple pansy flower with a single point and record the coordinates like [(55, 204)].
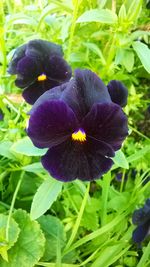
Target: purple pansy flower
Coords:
[(118, 92), (141, 218), (80, 125), (39, 66)]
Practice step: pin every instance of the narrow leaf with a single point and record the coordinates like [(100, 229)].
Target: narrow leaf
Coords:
[(46, 194), (143, 52)]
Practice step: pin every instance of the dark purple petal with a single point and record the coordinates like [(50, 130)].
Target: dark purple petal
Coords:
[(107, 123), (54, 93), (72, 160), (51, 123), (147, 205), (142, 215), (57, 69), (28, 70), (138, 217), (140, 232), (19, 53), (118, 92), (83, 91), (41, 49), (35, 90)]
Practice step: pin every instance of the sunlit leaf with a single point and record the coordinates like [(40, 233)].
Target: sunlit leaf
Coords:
[(120, 160), (45, 196), (34, 167), (5, 149), (143, 52), (24, 146), (98, 15)]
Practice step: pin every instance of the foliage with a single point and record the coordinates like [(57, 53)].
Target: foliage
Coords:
[(83, 224)]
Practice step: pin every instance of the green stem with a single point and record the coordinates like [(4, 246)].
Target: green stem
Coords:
[(122, 181), (2, 38), (77, 223), (73, 25), (139, 133), (12, 206), (105, 191)]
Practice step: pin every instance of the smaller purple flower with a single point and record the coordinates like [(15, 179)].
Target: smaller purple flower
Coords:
[(39, 66), (119, 176), (141, 218), (118, 92), (1, 115)]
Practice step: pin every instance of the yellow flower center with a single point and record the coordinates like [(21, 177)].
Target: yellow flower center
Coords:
[(42, 77), (79, 135)]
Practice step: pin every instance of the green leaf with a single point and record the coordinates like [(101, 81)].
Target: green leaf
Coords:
[(25, 147), (117, 202), (13, 233), (102, 3), (54, 233), (5, 149), (134, 10), (143, 52), (120, 160), (65, 28), (128, 60), (29, 247), (98, 15), (122, 14), (95, 49), (114, 252), (46, 194), (139, 154), (20, 19), (90, 221), (34, 167)]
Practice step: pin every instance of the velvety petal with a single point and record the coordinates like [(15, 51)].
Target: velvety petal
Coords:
[(83, 91), (19, 53), (140, 232), (57, 69), (51, 123), (28, 70), (42, 49), (108, 123), (72, 160), (118, 92), (54, 93), (36, 89)]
